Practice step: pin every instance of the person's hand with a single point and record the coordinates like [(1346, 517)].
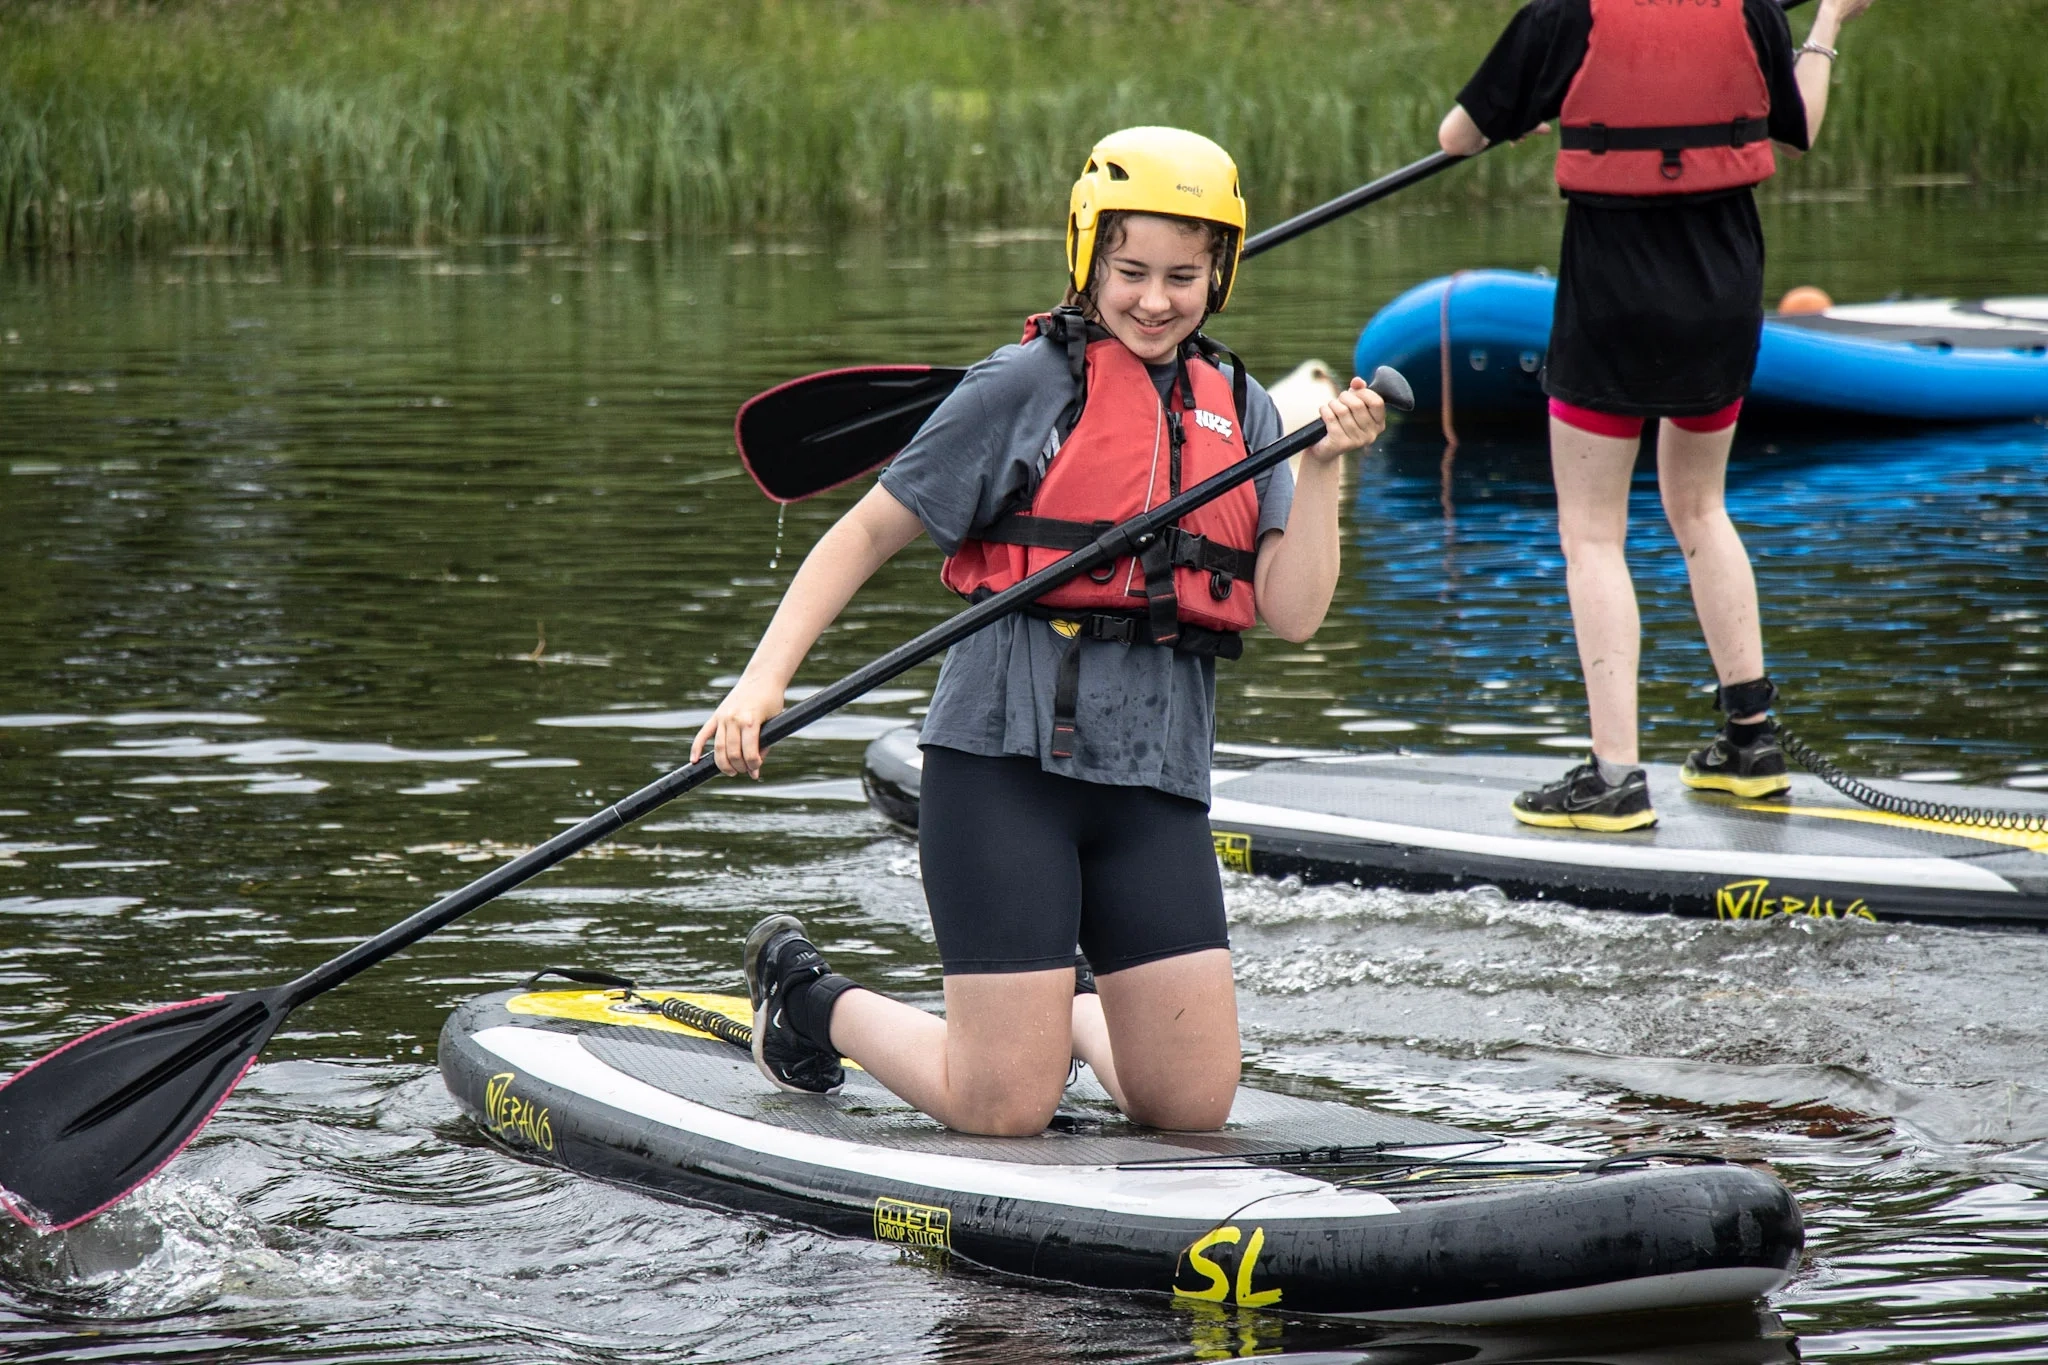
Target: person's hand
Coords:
[(735, 727), (1845, 10), (1355, 418), (1544, 127)]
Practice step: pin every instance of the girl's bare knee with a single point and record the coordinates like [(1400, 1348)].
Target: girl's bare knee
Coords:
[(1007, 1116), (1181, 1113), (1012, 1106), (1189, 1105)]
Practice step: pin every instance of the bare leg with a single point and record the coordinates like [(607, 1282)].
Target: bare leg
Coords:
[(996, 1063), (1091, 1044), (1692, 474), (1592, 475), (1174, 1023)]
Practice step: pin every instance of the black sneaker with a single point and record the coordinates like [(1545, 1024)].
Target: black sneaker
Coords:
[(1582, 800), (1751, 770), (778, 956)]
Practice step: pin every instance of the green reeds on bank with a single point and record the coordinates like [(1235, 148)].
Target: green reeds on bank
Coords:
[(295, 122)]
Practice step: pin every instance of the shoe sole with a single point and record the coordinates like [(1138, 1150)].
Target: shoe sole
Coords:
[(1735, 786), (1599, 824), (761, 1063)]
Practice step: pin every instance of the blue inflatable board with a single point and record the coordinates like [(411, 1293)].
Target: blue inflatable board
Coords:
[(1938, 360)]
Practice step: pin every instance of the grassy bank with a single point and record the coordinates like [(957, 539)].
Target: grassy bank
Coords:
[(260, 122)]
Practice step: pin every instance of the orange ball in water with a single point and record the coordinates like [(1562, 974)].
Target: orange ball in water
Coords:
[(1805, 298)]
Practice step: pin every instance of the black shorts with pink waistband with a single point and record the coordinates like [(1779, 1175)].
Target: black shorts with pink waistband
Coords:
[(1021, 866), (1659, 305)]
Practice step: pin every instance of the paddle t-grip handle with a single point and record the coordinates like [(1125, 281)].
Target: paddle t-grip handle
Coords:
[(1393, 386)]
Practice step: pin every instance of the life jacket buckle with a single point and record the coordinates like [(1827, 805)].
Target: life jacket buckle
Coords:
[(1220, 584), (1596, 139), (1098, 627)]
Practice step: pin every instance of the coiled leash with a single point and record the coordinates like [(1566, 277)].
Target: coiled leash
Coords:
[(1759, 695), (709, 1021), (675, 1011), (2020, 822)]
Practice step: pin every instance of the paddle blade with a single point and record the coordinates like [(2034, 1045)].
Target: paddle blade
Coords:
[(81, 1128), (823, 430)]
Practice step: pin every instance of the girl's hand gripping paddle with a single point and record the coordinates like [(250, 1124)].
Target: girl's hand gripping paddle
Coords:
[(82, 1127)]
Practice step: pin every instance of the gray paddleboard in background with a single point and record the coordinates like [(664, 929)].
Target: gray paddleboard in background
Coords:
[(1438, 822)]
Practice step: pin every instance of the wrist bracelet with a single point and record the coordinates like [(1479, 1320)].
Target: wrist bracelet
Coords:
[(1822, 49)]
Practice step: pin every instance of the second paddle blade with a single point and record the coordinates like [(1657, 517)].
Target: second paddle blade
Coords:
[(827, 429), (82, 1127)]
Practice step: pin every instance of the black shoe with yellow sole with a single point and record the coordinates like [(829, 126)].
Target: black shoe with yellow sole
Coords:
[(1749, 770), (1581, 799)]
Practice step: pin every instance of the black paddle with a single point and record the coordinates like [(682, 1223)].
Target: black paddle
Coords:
[(827, 429), (81, 1128)]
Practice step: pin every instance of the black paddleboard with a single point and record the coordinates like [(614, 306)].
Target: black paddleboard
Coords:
[(1298, 1205), (1439, 822)]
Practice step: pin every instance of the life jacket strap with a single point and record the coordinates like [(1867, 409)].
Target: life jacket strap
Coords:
[(1185, 549), (1601, 138), (1162, 603), (1224, 564), (1217, 354), (1070, 328), (1115, 628)]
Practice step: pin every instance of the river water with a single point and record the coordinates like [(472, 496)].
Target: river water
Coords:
[(331, 578)]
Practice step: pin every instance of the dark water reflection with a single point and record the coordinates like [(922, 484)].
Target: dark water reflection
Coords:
[(331, 579)]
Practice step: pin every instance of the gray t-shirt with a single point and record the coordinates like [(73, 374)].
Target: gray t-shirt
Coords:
[(1146, 716)]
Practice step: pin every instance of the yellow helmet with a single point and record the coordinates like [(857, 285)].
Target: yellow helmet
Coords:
[(1157, 170)]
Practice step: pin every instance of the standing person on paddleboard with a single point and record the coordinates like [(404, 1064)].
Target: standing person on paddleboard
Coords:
[(1667, 110), (1066, 752)]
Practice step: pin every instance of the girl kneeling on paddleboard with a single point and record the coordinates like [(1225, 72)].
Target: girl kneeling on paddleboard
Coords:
[(1066, 753)]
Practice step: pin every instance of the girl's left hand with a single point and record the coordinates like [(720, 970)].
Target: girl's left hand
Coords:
[(1355, 419)]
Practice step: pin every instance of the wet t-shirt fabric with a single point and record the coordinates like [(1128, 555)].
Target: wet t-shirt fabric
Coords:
[(1146, 716), (1659, 297)]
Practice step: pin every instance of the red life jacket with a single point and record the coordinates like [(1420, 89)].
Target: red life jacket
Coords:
[(1669, 100), (1127, 453), (1124, 452)]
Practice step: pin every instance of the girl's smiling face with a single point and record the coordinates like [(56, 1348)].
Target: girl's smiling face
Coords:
[(1152, 289)]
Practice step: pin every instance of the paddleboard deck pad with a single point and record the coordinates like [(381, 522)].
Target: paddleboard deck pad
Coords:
[(1299, 1204), (1442, 822)]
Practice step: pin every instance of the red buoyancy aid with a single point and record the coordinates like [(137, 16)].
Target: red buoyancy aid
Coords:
[(1669, 100), (1127, 454)]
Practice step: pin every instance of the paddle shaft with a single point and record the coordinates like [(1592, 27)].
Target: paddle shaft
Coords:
[(1126, 539), (1415, 172)]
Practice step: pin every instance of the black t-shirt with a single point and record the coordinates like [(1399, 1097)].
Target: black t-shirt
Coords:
[(1524, 79), (1659, 297)]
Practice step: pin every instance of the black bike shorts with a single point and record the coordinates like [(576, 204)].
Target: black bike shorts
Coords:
[(1022, 865)]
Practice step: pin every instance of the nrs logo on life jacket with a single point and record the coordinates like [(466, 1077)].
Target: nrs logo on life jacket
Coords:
[(1669, 100)]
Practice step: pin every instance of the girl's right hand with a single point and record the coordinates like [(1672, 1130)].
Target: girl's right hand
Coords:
[(735, 727)]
